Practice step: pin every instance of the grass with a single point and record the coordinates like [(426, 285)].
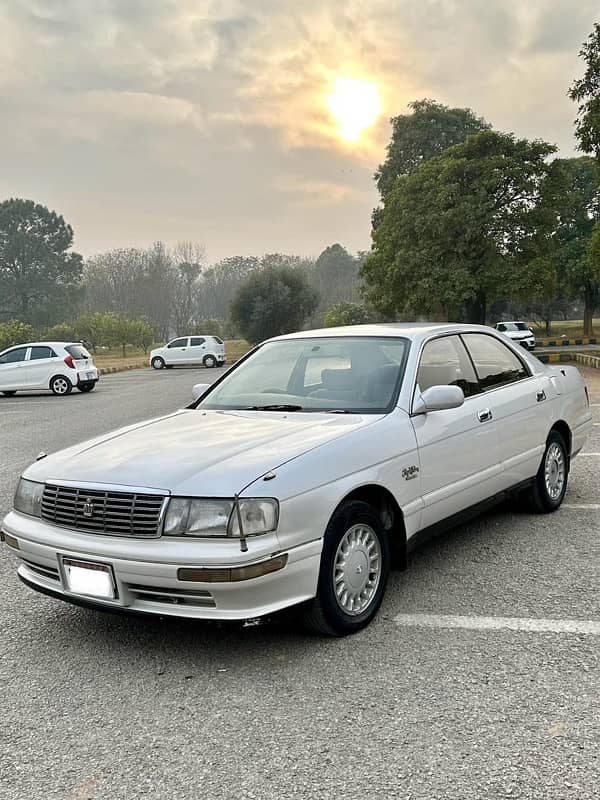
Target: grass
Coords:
[(571, 328), (234, 348)]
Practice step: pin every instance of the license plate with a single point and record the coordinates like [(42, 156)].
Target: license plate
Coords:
[(89, 578), (90, 376)]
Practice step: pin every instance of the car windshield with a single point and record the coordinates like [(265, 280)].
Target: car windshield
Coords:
[(513, 326), (336, 374)]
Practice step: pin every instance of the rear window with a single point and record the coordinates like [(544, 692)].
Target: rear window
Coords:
[(77, 351), (217, 340)]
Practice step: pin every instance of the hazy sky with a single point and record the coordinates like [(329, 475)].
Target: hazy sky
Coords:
[(208, 119)]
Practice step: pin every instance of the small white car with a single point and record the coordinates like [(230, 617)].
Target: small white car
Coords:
[(519, 332), (187, 350), (301, 476), (58, 366)]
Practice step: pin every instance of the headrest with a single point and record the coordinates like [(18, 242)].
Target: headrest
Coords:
[(338, 378)]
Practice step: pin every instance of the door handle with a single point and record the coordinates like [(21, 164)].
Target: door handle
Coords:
[(540, 396), (484, 415)]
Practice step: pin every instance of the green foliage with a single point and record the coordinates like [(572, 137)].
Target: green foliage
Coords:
[(346, 314), (430, 129), (335, 276), (210, 327), (273, 301), (61, 332), (586, 92), (464, 228), (38, 274), (15, 332)]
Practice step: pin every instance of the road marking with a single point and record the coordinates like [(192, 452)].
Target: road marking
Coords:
[(588, 454), (588, 506), (531, 625)]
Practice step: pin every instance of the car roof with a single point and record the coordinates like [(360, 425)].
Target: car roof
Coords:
[(408, 330), (43, 344), (511, 322)]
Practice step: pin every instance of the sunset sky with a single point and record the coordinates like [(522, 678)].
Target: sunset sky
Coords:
[(256, 126)]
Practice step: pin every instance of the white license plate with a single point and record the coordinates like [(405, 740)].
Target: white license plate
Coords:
[(90, 376), (89, 578)]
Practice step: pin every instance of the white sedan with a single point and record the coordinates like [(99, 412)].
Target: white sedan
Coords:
[(301, 476)]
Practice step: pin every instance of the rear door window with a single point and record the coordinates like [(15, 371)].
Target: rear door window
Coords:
[(41, 352), (197, 341), (495, 363), (14, 356), (77, 351)]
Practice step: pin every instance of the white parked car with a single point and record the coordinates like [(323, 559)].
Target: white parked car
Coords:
[(187, 350), (58, 366), (519, 332), (301, 476)]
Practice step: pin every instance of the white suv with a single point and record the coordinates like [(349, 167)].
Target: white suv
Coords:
[(201, 349), (58, 366), (519, 332)]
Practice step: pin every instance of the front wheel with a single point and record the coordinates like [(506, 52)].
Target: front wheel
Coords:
[(355, 563), (550, 483), (209, 362), (61, 385), (157, 362)]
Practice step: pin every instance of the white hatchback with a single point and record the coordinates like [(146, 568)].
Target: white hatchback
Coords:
[(58, 366), (187, 350)]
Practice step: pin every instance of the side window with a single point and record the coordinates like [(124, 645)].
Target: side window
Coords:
[(501, 327), (14, 356), (41, 352), (197, 341), (495, 363), (178, 343), (445, 362)]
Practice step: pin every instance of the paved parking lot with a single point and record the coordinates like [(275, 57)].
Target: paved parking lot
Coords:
[(479, 678)]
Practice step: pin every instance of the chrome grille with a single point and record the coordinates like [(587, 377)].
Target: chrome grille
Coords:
[(96, 511)]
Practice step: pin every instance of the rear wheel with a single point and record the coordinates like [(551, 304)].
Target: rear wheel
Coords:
[(10, 393), (209, 361), (158, 362), (86, 387), (550, 484), (355, 563), (61, 385)]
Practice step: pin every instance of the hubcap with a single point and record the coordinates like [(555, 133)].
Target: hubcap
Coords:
[(554, 471), (60, 386), (357, 569)]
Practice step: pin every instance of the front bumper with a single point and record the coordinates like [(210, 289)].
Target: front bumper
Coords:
[(146, 571)]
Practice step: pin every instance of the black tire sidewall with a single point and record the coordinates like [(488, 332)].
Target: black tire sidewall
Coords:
[(209, 362), (64, 378), (347, 515), (159, 362), (548, 503)]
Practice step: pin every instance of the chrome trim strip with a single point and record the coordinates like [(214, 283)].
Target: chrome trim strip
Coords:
[(107, 487)]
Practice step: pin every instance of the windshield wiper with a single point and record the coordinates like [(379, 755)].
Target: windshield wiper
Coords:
[(274, 407), (341, 411)]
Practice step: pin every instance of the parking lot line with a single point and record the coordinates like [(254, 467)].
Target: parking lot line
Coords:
[(473, 623), (588, 506), (588, 454)]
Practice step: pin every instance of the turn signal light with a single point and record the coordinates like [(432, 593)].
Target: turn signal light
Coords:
[(9, 540), (233, 574)]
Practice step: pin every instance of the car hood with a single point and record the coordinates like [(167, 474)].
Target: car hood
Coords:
[(210, 453)]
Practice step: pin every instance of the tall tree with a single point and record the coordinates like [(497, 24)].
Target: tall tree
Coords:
[(586, 92), (335, 276), (273, 301), (425, 133), (38, 269), (220, 283), (462, 230)]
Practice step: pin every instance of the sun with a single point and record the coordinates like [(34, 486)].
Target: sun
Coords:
[(355, 105)]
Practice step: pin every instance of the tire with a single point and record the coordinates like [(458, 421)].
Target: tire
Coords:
[(157, 362), (357, 527), (209, 362), (86, 387), (61, 385), (550, 484), (9, 393)]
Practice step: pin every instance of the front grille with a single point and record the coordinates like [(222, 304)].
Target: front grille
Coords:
[(117, 513)]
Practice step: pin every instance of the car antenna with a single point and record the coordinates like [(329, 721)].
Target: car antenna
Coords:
[(243, 543)]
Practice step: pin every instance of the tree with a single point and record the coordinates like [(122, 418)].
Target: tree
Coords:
[(593, 274), (466, 227), (37, 268), (335, 276), (14, 332), (273, 301), (220, 282), (586, 92), (430, 129), (571, 196), (346, 314)]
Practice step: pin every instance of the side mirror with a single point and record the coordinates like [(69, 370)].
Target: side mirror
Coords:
[(199, 389), (439, 398)]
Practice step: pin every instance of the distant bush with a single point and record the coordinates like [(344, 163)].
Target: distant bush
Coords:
[(63, 332), (346, 314), (15, 332), (211, 327)]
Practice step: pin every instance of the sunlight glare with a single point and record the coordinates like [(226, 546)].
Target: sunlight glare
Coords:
[(355, 106)]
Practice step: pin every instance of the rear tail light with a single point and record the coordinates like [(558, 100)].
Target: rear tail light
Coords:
[(69, 362)]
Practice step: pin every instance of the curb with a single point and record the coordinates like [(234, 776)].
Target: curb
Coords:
[(563, 358), (565, 342), (123, 368)]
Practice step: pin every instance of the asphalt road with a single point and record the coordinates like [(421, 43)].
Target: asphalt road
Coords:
[(103, 707)]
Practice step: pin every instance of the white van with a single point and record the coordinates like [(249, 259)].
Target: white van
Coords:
[(186, 350)]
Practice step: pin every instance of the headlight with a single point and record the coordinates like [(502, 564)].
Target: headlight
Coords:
[(28, 497), (205, 517)]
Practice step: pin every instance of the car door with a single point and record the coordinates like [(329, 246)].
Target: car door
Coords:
[(457, 447), (14, 369), (515, 398), (177, 351), (41, 366), (197, 349)]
